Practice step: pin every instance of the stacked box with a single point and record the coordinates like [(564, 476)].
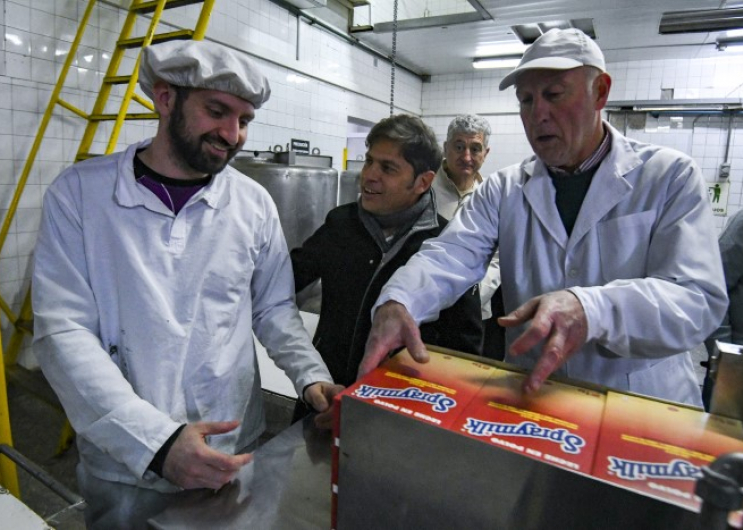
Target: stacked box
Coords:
[(652, 450), (559, 424), (432, 393), (659, 448)]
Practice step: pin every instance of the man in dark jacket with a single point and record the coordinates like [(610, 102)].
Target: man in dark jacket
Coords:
[(361, 244)]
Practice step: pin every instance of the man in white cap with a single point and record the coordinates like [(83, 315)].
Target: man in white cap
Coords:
[(610, 271), (153, 268)]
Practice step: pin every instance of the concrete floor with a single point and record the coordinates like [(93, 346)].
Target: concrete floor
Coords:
[(36, 427)]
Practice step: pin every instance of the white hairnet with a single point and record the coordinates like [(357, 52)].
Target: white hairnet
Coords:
[(203, 64)]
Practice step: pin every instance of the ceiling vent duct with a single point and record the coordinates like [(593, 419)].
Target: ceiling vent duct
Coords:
[(701, 20), (528, 33)]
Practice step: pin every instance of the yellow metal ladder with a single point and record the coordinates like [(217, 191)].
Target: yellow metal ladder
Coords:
[(23, 322)]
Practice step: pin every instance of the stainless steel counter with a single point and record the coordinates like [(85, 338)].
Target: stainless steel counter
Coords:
[(426, 477), (286, 487)]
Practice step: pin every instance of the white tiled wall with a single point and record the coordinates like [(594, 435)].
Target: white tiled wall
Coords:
[(705, 137), (318, 81)]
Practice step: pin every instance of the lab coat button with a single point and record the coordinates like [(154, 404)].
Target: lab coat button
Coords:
[(573, 273)]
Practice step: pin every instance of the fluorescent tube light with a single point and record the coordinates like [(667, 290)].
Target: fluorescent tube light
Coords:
[(501, 49), (496, 62)]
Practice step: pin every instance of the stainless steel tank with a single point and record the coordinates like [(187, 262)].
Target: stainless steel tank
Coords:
[(349, 182), (349, 187), (303, 194)]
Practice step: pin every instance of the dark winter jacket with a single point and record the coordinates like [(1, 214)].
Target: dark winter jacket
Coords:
[(352, 270)]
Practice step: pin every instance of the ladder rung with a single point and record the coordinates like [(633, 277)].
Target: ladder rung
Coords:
[(26, 326), (149, 7), (129, 116), (137, 42), (117, 79)]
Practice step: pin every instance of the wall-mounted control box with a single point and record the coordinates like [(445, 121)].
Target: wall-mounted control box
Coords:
[(724, 170)]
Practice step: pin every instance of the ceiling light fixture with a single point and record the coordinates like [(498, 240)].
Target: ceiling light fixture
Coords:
[(507, 61), (500, 49), (528, 33)]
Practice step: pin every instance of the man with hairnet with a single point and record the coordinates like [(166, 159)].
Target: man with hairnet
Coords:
[(153, 268), (609, 267)]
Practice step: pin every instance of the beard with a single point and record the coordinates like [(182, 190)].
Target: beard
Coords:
[(191, 150)]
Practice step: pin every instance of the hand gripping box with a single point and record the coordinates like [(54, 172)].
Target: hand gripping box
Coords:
[(659, 448), (559, 424)]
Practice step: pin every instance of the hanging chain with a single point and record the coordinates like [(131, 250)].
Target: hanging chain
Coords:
[(392, 57)]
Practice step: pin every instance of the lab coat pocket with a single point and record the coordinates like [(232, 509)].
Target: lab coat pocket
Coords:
[(222, 298), (671, 378), (623, 245)]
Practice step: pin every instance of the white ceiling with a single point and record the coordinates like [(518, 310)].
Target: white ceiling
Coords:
[(625, 30)]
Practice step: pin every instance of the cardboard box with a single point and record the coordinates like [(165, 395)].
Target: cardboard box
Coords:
[(434, 392), (455, 444), (559, 425), (659, 448), (431, 393)]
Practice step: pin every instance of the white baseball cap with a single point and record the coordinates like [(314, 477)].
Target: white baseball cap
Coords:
[(558, 49), (203, 64)]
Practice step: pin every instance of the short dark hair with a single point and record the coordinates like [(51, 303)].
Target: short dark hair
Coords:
[(182, 92), (418, 144)]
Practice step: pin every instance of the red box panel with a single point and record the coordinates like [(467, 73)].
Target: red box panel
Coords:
[(559, 424), (659, 448)]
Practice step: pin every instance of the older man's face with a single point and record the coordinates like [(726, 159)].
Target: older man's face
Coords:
[(561, 114), (465, 154)]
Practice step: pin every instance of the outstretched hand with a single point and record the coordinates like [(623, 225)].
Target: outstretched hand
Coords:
[(191, 463), (392, 328), (559, 320)]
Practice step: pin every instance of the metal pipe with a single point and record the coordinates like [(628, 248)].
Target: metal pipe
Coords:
[(730, 133), (296, 45), (42, 476), (700, 112), (720, 490)]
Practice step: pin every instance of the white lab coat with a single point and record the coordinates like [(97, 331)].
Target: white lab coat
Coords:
[(144, 320), (642, 259)]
